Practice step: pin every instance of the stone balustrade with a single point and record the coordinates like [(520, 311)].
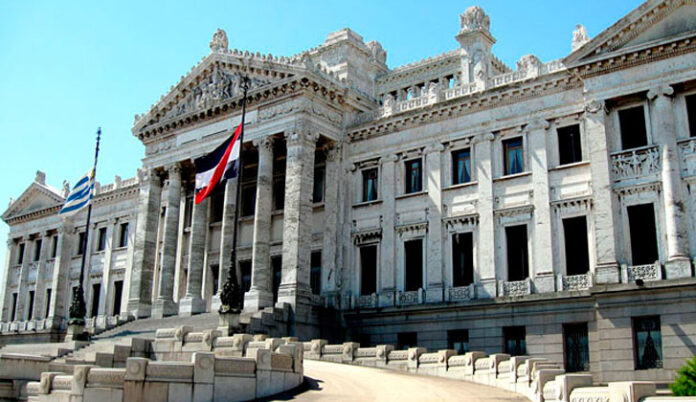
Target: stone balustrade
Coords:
[(636, 163), (687, 149), (647, 272)]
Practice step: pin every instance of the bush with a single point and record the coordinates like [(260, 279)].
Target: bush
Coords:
[(685, 383)]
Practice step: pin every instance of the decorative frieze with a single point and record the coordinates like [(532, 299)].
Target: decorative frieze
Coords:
[(460, 293), (688, 154), (515, 288), (576, 282), (636, 163)]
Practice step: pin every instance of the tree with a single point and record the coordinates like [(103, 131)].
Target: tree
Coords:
[(685, 383)]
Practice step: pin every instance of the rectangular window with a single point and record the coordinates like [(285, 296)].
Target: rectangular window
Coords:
[(413, 258), (368, 270), (461, 166), (54, 246), (370, 181), (513, 156), (278, 193), (245, 268), (647, 342), (96, 289), (188, 212), (215, 274), (633, 131), (458, 340), (123, 236), (405, 340), (318, 189), (30, 311), (101, 244), (315, 273), (37, 249), (641, 223), (517, 259), (118, 294), (576, 249), (81, 240), (569, 148), (248, 199), (414, 176), (277, 264), (20, 255), (462, 259), (48, 302), (515, 344), (575, 343), (14, 307), (217, 205), (691, 114)]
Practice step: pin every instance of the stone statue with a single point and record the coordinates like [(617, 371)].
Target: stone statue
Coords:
[(579, 37), (66, 188), (528, 64), (389, 102), (378, 53), (219, 43), (473, 19), (433, 89)]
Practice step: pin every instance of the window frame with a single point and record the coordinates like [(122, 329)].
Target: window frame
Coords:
[(454, 165), (360, 271), (646, 115), (504, 145), (101, 239), (413, 188), (580, 143), (659, 364), (363, 181)]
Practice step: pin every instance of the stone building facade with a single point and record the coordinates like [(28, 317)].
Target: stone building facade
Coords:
[(452, 202)]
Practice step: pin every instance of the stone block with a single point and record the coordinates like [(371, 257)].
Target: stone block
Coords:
[(630, 391), (79, 379), (180, 392), (262, 358), (104, 359), (136, 368), (566, 383), (413, 356), (203, 367), (277, 382), (103, 394), (202, 392), (349, 349), (315, 350), (234, 389), (263, 383)]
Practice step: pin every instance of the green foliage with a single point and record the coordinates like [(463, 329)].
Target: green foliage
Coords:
[(685, 383)]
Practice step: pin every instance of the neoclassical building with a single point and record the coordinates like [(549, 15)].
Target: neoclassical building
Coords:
[(452, 202)]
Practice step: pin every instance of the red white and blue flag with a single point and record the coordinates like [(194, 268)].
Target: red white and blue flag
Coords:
[(217, 166)]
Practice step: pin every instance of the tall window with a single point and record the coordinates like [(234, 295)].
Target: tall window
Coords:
[(188, 212), (54, 246), (118, 295), (458, 340), (641, 223), (368, 269), (30, 312), (575, 343), (515, 344), (277, 265), (691, 114), (318, 189), (245, 268), (569, 147), (37, 249), (217, 205), (576, 249), (14, 307), (279, 168), (462, 259), (101, 241), (48, 302), (513, 156), (647, 342), (248, 199), (96, 289), (215, 274), (370, 181), (123, 235), (20, 255), (315, 273), (405, 340), (81, 243), (632, 123), (518, 262), (413, 258), (414, 174), (461, 166), (278, 193)]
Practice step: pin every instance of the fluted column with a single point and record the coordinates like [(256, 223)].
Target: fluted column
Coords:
[(164, 305), (543, 270), (39, 303), (485, 279), (60, 282), (140, 294), (22, 284), (5, 300), (226, 238), (297, 217), (105, 290), (662, 119), (387, 271), (606, 266), (193, 303), (433, 180), (330, 241), (261, 295)]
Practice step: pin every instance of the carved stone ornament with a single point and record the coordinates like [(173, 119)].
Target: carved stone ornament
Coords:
[(378, 53), (537, 124), (528, 63), (219, 42), (594, 106), (265, 143), (662, 90), (473, 19), (579, 37)]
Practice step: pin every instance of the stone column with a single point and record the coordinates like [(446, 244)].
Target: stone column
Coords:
[(181, 247), (226, 237), (433, 180), (544, 279), (22, 284), (140, 295), (297, 217), (5, 300), (330, 242), (261, 294), (677, 263), (387, 254), (105, 289), (60, 283), (193, 303), (606, 267), (39, 303), (164, 305), (486, 286)]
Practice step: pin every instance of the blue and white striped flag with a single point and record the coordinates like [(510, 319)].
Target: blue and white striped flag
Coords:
[(80, 195)]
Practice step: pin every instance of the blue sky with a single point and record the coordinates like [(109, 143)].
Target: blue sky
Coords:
[(68, 67)]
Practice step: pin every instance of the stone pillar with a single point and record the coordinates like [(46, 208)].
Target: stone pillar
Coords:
[(40, 304), (164, 305), (181, 247), (435, 283), (140, 295), (60, 282), (677, 263), (5, 300), (105, 290), (22, 284), (193, 303), (544, 279), (485, 279), (330, 241), (260, 294), (387, 254), (227, 230), (297, 217), (606, 266)]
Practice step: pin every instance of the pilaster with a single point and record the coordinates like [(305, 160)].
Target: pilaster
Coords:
[(193, 303), (60, 283), (485, 280), (330, 241), (433, 182), (4, 311), (40, 304), (226, 237), (22, 284), (105, 290), (387, 254)]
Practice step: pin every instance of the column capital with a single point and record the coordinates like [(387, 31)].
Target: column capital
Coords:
[(594, 106), (264, 143), (391, 158), (173, 168), (148, 176), (660, 90), (537, 124), (482, 138), (301, 137), (333, 152), (10, 242), (434, 147)]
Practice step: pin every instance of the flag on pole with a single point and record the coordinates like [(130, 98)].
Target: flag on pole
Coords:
[(80, 195), (217, 166)]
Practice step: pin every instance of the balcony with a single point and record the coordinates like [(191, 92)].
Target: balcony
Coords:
[(636, 164), (575, 282), (515, 288), (647, 273), (687, 149)]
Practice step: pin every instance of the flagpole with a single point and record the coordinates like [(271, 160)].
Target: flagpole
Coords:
[(78, 309), (231, 294)]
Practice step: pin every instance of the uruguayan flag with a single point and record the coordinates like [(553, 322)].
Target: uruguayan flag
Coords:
[(80, 195)]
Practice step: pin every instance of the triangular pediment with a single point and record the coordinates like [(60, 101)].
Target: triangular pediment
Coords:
[(35, 198), (652, 23)]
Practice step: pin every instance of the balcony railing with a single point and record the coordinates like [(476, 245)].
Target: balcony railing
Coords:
[(636, 163), (647, 272), (687, 149), (576, 282), (515, 288)]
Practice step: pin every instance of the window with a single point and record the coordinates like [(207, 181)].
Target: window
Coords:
[(462, 259), (641, 222), (518, 263), (48, 302), (30, 311), (413, 258), (318, 189), (54, 246), (101, 243), (576, 249), (414, 181), (37, 249), (633, 132), (20, 255), (315, 273), (14, 307), (569, 148), (278, 193), (118, 295), (515, 341), (368, 270), (370, 179), (513, 156), (81, 240), (458, 340), (461, 166), (277, 264), (188, 212), (647, 342), (217, 205), (215, 274), (245, 268), (96, 289), (575, 343), (123, 236), (405, 340), (248, 199), (691, 114)]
